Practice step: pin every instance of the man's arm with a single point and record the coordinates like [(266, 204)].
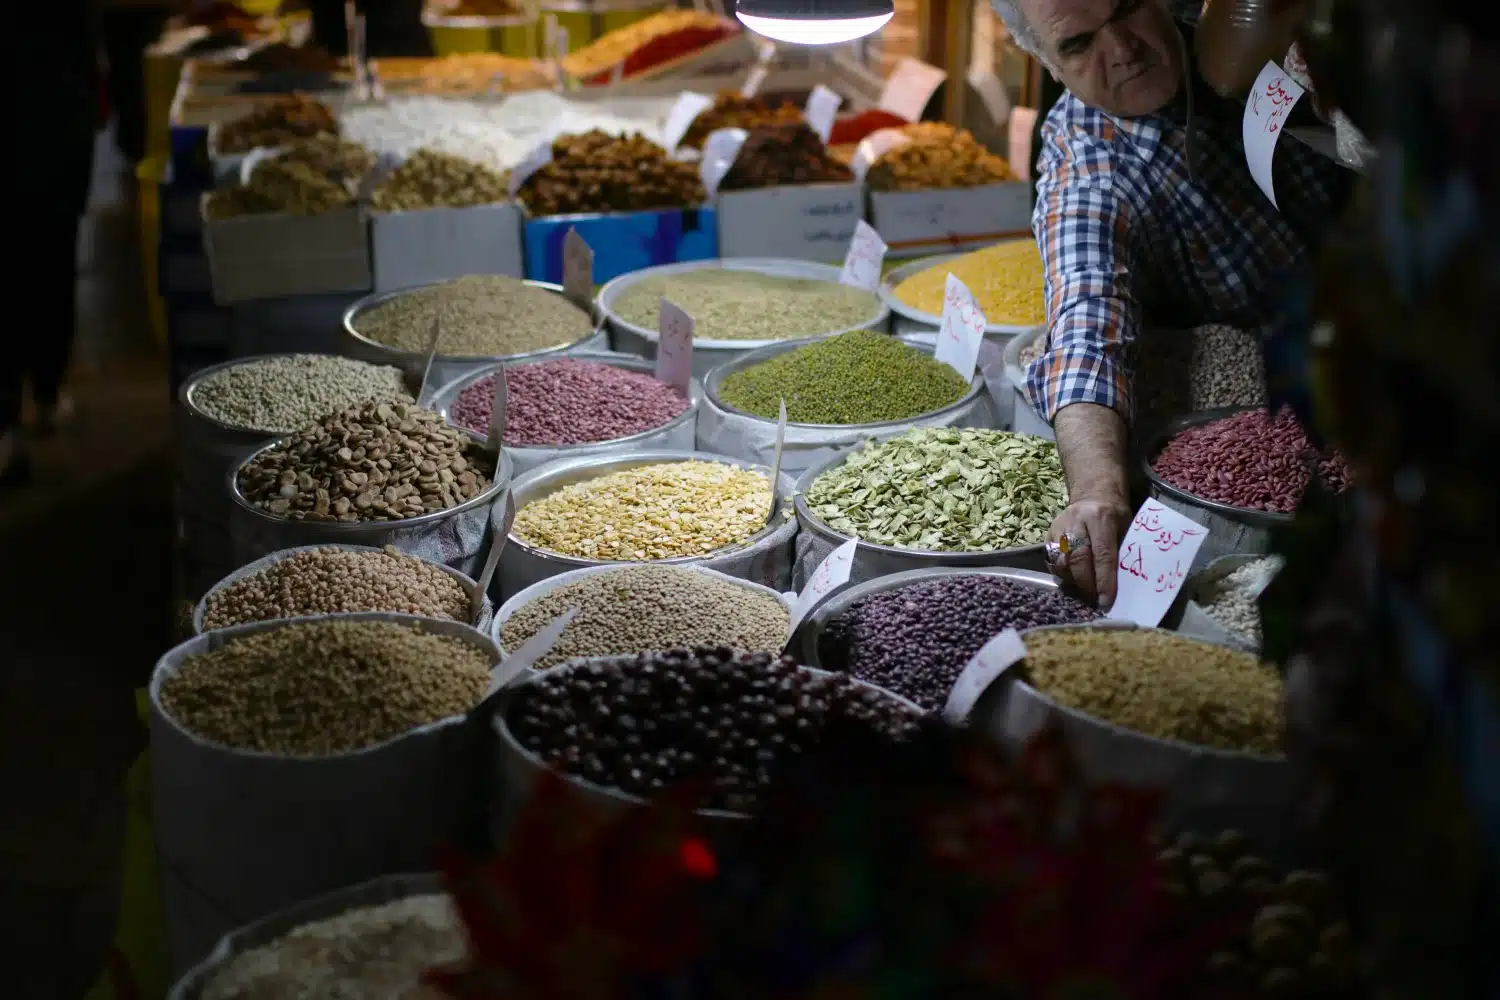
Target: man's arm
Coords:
[(1082, 383)]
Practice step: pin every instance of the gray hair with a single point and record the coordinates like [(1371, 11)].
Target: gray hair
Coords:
[(1020, 29)]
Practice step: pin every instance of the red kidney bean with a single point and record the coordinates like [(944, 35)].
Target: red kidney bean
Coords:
[(568, 401), (1250, 460)]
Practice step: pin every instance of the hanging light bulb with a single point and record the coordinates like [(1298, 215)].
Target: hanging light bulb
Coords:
[(814, 22)]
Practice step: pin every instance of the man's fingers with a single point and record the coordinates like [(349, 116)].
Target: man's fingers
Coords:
[(1104, 553), (1081, 566)]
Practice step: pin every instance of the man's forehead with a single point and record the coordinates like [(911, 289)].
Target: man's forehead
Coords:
[(1058, 19)]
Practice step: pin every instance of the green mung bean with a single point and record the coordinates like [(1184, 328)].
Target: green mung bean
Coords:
[(862, 377), (746, 305), (944, 489)]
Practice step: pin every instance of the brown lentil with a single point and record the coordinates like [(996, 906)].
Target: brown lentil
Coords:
[(1161, 685), (662, 511), (310, 689), (487, 315), (329, 581), (377, 951), (377, 462), (644, 608)]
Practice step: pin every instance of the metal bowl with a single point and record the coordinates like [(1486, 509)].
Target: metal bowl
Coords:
[(709, 354), (445, 367), (675, 433), (811, 640), (1026, 419), (895, 276), (524, 564), (1206, 788)]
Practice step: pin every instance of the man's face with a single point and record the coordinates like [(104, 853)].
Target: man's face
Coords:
[(1120, 56)]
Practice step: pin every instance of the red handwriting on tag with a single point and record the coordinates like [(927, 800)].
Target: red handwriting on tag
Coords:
[(1155, 557), (962, 329), (1270, 102), (865, 258)]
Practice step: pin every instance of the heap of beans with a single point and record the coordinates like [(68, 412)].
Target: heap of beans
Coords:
[(641, 724), (599, 172), (482, 315), (937, 155), (1250, 460), (1161, 685), (783, 154), (567, 401), (734, 304), (1292, 941), (276, 122), (1231, 600), (279, 395), (340, 160), (376, 951), (1187, 371), (861, 377), (662, 511), (643, 608), (280, 185), (377, 462), (1005, 280), (330, 580), (309, 689), (916, 640), (733, 110), (431, 179)]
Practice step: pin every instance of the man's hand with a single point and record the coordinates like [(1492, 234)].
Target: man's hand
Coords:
[(1090, 566)]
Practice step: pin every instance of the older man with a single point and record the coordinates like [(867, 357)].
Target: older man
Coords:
[(1146, 214)]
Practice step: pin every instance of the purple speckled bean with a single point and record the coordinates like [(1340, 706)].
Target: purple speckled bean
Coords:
[(1249, 460), (916, 640), (568, 401)]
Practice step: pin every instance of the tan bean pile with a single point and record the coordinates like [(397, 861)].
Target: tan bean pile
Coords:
[(340, 160), (486, 315), (275, 122), (938, 156), (650, 608), (279, 185), (377, 951), (310, 689), (650, 512), (1162, 685), (431, 179), (377, 462), (330, 581)]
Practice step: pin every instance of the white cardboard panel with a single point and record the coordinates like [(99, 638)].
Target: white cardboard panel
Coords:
[(915, 223), (803, 222), (412, 248), (274, 256)]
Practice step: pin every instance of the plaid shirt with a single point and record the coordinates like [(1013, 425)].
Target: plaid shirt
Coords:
[(1128, 236)]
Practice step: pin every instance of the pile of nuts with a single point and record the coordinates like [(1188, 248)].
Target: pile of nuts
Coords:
[(276, 123), (733, 110), (661, 511), (340, 160), (644, 723), (374, 951), (1005, 279), (280, 395), (916, 640), (376, 462), (1231, 600), (1160, 684), (330, 580), (568, 401), (599, 172), (482, 315), (1292, 941), (639, 609), (783, 154), (430, 179), (1251, 460), (937, 156), (280, 185), (314, 688)]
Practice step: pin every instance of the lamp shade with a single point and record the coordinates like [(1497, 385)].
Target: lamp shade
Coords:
[(814, 22)]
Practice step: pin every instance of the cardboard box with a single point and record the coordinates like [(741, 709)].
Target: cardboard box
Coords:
[(802, 222), (915, 223), (413, 248), (622, 241), (275, 256)]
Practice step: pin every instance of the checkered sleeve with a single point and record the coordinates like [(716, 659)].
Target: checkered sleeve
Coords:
[(1081, 224)]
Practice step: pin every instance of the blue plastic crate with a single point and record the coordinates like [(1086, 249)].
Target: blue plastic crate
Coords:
[(190, 165), (622, 241)]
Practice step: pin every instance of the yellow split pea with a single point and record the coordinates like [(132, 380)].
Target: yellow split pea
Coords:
[(1005, 280), (649, 512)]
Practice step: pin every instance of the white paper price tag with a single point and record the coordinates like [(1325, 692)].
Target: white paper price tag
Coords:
[(962, 329), (720, 150), (501, 517), (578, 271), (674, 347), (756, 78), (539, 157), (531, 650), (1271, 101), (822, 107), (496, 438), (831, 574), (776, 458), (685, 111), (424, 392), (993, 659), (865, 258), (909, 87), (1154, 559), (873, 146)]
